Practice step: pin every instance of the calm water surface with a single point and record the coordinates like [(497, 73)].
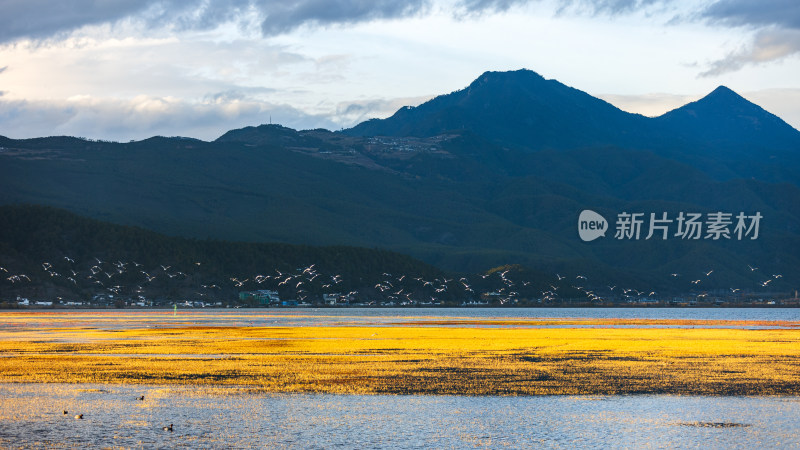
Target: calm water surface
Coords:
[(32, 416), (117, 319)]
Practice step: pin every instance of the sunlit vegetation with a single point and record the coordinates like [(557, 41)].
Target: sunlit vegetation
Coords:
[(440, 357)]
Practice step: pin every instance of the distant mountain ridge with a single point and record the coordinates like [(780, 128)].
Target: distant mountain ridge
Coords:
[(723, 117), (492, 174), (519, 108), (523, 110)]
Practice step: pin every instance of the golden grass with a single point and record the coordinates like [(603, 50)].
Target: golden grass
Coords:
[(462, 358)]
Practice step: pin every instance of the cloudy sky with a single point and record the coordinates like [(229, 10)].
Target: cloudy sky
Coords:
[(128, 69)]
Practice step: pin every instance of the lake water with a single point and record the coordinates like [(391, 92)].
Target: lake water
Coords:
[(112, 319), (31, 416)]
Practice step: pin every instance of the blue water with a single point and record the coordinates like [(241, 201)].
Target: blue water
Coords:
[(114, 319), (790, 314), (31, 417)]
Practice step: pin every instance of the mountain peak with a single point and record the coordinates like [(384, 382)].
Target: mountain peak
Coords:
[(518, 108), (276, 136), (723, 90), (516, 76), (728, 120), (720, 104), (262, 134), (724, 96)]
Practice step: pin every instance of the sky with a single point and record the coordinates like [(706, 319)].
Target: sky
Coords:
[(128, 70)]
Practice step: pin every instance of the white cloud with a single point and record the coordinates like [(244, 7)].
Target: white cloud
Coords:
[(101, 73), (768, 45), (351, 113), (774, 20), (777, 32), (106, 65), (145, 116)]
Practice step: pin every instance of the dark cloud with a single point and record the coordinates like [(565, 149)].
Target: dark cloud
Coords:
[(283, 17), (353, 108), (780, 13), (193, 14), (768, 45), (608, 7), (481, 6), (39, 19), (45, 18), (730, 13), (591, 7), (351, 113), (777, 37), (774, 21)]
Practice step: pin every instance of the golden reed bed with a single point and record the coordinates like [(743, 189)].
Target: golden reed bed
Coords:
[(436, 356)]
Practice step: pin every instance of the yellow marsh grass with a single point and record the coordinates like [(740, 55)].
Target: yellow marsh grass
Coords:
[(416, 359)]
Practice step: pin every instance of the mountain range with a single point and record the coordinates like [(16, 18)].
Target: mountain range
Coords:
[(496, 173), (722, 133)]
